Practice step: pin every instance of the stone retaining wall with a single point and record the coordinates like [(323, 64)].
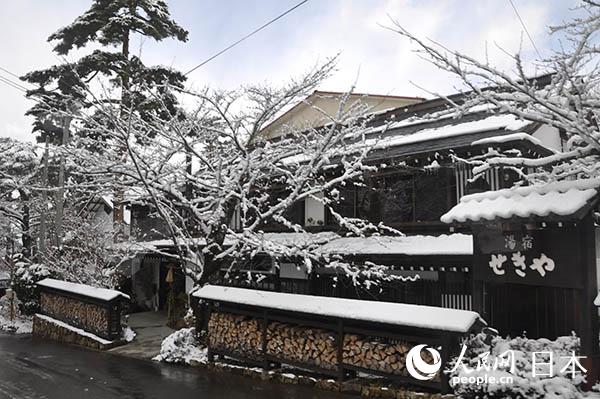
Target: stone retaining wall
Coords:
[(43, 328)]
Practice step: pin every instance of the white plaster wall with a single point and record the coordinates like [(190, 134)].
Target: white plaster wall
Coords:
[(189, 284), (314, 212), (549, 136)]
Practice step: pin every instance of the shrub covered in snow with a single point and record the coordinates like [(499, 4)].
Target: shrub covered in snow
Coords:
[(13, 321), (181, 347), (524, 384), (25, 279)]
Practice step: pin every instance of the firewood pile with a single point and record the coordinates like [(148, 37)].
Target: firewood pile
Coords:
[(366, 353), (302, 345), (306, 345), (235, 333), (85, 315)]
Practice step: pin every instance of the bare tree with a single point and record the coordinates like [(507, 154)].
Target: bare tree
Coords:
[(566, 96), (202, 168)]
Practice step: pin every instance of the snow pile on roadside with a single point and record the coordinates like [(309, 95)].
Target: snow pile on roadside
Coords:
[(181, 347), (20, 324), (128, 334), (524, 384)]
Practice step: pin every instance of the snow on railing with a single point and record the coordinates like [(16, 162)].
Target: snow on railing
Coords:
[(418, 316), (103, 294)]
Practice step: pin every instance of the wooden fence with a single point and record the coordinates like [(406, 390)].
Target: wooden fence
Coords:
[(451, 290)]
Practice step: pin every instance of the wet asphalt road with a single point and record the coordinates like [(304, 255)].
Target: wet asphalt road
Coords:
[(39, 369)]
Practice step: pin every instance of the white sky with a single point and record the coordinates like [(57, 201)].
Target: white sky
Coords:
[(382, 62)]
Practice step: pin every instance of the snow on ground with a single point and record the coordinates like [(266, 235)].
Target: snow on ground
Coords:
[(383, 312), (181, 347), (550, 355), (19, 324), (128, 334)]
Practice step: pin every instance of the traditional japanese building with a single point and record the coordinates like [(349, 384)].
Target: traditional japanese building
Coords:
[(418, 181), (535, 258)]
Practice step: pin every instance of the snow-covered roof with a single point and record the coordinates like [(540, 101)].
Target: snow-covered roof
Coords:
[(493, 122), (507, 138), (445, 244), (597, 300), (427, 317), (332, 243), (563, 198), (104, 294), (107, 199), (297, 239)]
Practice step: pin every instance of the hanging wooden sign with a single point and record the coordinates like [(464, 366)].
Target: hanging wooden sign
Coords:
[(548, 257)]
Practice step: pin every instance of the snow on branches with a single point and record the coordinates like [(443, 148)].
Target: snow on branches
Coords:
[(200, 169), (18, 168), (565, 96)]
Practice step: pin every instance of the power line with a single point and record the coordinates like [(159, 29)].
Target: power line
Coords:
[(10, 73), (13, 84), (246, 37), (525, 28)]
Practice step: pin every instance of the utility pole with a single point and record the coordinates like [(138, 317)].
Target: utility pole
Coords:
[(44, 210), (60, 193), (118, 194)]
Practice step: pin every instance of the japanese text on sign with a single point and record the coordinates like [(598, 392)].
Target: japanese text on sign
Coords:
[(541, 265)]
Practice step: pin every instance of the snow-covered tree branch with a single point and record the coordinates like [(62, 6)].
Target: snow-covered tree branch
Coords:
[(217, 183), (564, 95)]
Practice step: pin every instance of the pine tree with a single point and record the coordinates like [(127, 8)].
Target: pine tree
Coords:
[(111, 24), (65, 87)]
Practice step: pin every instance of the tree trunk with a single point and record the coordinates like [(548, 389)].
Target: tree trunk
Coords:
[(118, 195), (26, 226), (42, 235), (214, 242), (61, 185)]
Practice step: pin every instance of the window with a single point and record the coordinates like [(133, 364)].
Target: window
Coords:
[(399, 197)]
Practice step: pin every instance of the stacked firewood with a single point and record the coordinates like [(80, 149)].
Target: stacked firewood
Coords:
[(235, 333), (306, 345), (81, 314), (299, 344), (362, 352)]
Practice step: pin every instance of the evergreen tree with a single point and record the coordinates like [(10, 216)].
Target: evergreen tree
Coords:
[(111, 24), (147, 90)]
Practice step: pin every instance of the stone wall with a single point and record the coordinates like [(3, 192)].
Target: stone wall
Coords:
[(87, 316), (43, 328)]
